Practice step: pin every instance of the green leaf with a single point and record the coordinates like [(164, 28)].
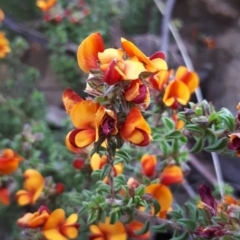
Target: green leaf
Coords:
[(194, 128), (144, 229), (175, 146), (164, 147), (174, 134), (156, 206), (103, 188), (160, 228), (175, 214), (193, 210), (140, 190), (121, 179), (114, 217), (219, 145), (96, 174), (168, 123), (105, 170), (198, 146), (92, 217), (183, 236), (123, 155), (187, 223)]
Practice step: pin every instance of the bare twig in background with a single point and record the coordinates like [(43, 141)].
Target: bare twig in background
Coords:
[(198, 91), (32, 35), (164, 28)]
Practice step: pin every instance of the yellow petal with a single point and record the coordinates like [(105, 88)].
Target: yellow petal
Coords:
[(110, 54), (70, 231), (53, 234), (71, 219), (55, 220), (83, 114)]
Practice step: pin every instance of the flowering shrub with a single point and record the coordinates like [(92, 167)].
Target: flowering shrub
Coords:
[(126, 145)]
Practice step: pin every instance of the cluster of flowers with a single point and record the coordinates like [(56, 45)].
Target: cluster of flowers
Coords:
[(121, 80), (53, 11), (4, 44)]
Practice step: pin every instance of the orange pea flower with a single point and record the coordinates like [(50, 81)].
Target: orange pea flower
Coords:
[(135, 226), (190, 79), (45, 5), (9, 161), (59, 228), (135, 129), (1, 15), (152, 64), (176, 93), (159, 79), (34, 220), (148, 163), (179, 90), (98, 162), (4, 46), (87, 117), (4, 196), (163, 195), (138, 93), (238, 106), (33, 186), (107, 231), (92, 55), (234, 142), (171, 174)]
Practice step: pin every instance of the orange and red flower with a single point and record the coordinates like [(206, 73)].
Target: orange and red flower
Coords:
[(4, 46), (106, 231), (179, 90), (159, 80), (135, 129), (34, 220), (148, 163), (234, 142), (33, 186), (90, 120), (45, 5), (9, 161), (171, 174), (163, 195), (112, 62), (57, 227)]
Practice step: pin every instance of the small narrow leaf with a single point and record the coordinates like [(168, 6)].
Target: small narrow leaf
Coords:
[(173, 134), (168, 123), (144, 229), (140, 190), (105, 170), (160, 228), (193, 210), (156, 206), (187, 223), (198, 146), (219, 145)]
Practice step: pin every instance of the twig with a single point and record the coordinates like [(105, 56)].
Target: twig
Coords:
[(203, 170), (164, 28), (198, 91)]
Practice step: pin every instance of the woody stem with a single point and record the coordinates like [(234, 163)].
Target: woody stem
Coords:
[(110, 160)]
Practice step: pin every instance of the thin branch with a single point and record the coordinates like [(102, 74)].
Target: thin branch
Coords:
[(164, 28), (198, 91)]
